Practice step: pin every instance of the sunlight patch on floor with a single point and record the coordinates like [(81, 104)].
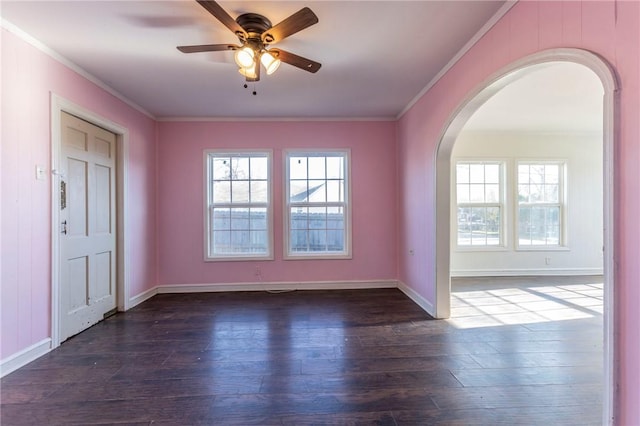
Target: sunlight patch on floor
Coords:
[(492, 307)]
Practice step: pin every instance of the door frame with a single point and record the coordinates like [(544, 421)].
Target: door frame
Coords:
[(442, 224), (58, 105)]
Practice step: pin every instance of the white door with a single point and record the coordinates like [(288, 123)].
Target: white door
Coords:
[(88, 226)]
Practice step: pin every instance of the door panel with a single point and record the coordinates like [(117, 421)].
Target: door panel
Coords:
[(87, 249)]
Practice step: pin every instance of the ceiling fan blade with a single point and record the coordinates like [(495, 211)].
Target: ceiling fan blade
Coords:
[(207, 48), (296, 61), (297, 22), (221, 15)]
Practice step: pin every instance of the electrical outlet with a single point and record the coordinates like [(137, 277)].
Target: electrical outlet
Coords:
[(547, 261), (257, 272)]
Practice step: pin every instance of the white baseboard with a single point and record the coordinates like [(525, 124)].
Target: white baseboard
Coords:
[(525, 272), (145, 295), (418, 300), (24, 357), (277, 286)]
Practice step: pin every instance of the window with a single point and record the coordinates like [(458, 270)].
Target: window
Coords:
[(317, 205), (540, 206), (479, 194), (238, 205)]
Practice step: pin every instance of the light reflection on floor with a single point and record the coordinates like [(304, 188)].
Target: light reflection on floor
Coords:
[(490, 302)]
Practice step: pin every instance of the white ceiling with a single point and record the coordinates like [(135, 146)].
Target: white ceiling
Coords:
[(556, 97), (376, 56)]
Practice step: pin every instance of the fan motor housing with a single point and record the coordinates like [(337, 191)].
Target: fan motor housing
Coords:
[(253, 23)]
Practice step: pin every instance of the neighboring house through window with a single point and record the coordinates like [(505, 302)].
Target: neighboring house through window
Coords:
[(238, 209)]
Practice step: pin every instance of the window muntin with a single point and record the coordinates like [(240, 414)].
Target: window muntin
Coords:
[(479, 194), (238, 205), (540, 204), (317, 210)]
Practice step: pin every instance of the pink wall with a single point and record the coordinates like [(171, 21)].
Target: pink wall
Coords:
[(609, 29), (180, 199), (28, 78)]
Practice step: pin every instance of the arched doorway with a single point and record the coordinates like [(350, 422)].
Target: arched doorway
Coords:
[(456, 122)]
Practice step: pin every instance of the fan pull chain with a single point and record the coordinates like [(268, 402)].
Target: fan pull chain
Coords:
[(254, 92)]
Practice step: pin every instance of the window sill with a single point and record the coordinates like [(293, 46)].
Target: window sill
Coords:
[(543, 248), (331, 256), (472, 249), (238, 258)]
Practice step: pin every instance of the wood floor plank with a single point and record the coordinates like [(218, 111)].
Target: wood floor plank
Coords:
[(356, 357)]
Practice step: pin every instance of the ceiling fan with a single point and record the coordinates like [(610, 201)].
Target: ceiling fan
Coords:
[(256, 33)]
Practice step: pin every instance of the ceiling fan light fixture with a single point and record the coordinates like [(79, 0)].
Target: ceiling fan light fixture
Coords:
[(245, 57), (249, 73), (270, 62)]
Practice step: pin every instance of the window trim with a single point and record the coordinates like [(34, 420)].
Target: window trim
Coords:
[(562, 204), (501, 204), (347, 254), (207, 204)]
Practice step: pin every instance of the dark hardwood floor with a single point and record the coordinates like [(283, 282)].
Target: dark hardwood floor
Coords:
[(368, 357)]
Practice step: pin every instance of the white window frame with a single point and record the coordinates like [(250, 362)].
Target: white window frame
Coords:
[(561, 204), (209, 154), (346, 205), (501, 204)]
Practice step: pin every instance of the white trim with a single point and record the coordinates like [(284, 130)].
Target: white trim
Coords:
[(446, 140), (142, 297), (59, 104), (525, 272), (277, 286), (485, 29), (12, 28), (24, 357), (417, 299), (272, 119)]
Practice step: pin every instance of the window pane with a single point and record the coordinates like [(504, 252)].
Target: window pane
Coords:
[(221, 168), (221, 218), (492, 173), (335, 168), (335, 240), (222, 192), (335, 218), (551, 193), (221, 242), (258, 219), (239, 218), (316, 168), (462, 173), (536, 174), (239, 168), (298, 241), (239, 191), (298, 168), (523, 193), (298, 191), (476, 193), (259, 168), (335, 191), (317, 240), (259, 191), (476, 173), (464, 229), (462, 193), (492, 193), (318, 217), (299, 219), (523, 174), (552, 173), (317, 191)]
